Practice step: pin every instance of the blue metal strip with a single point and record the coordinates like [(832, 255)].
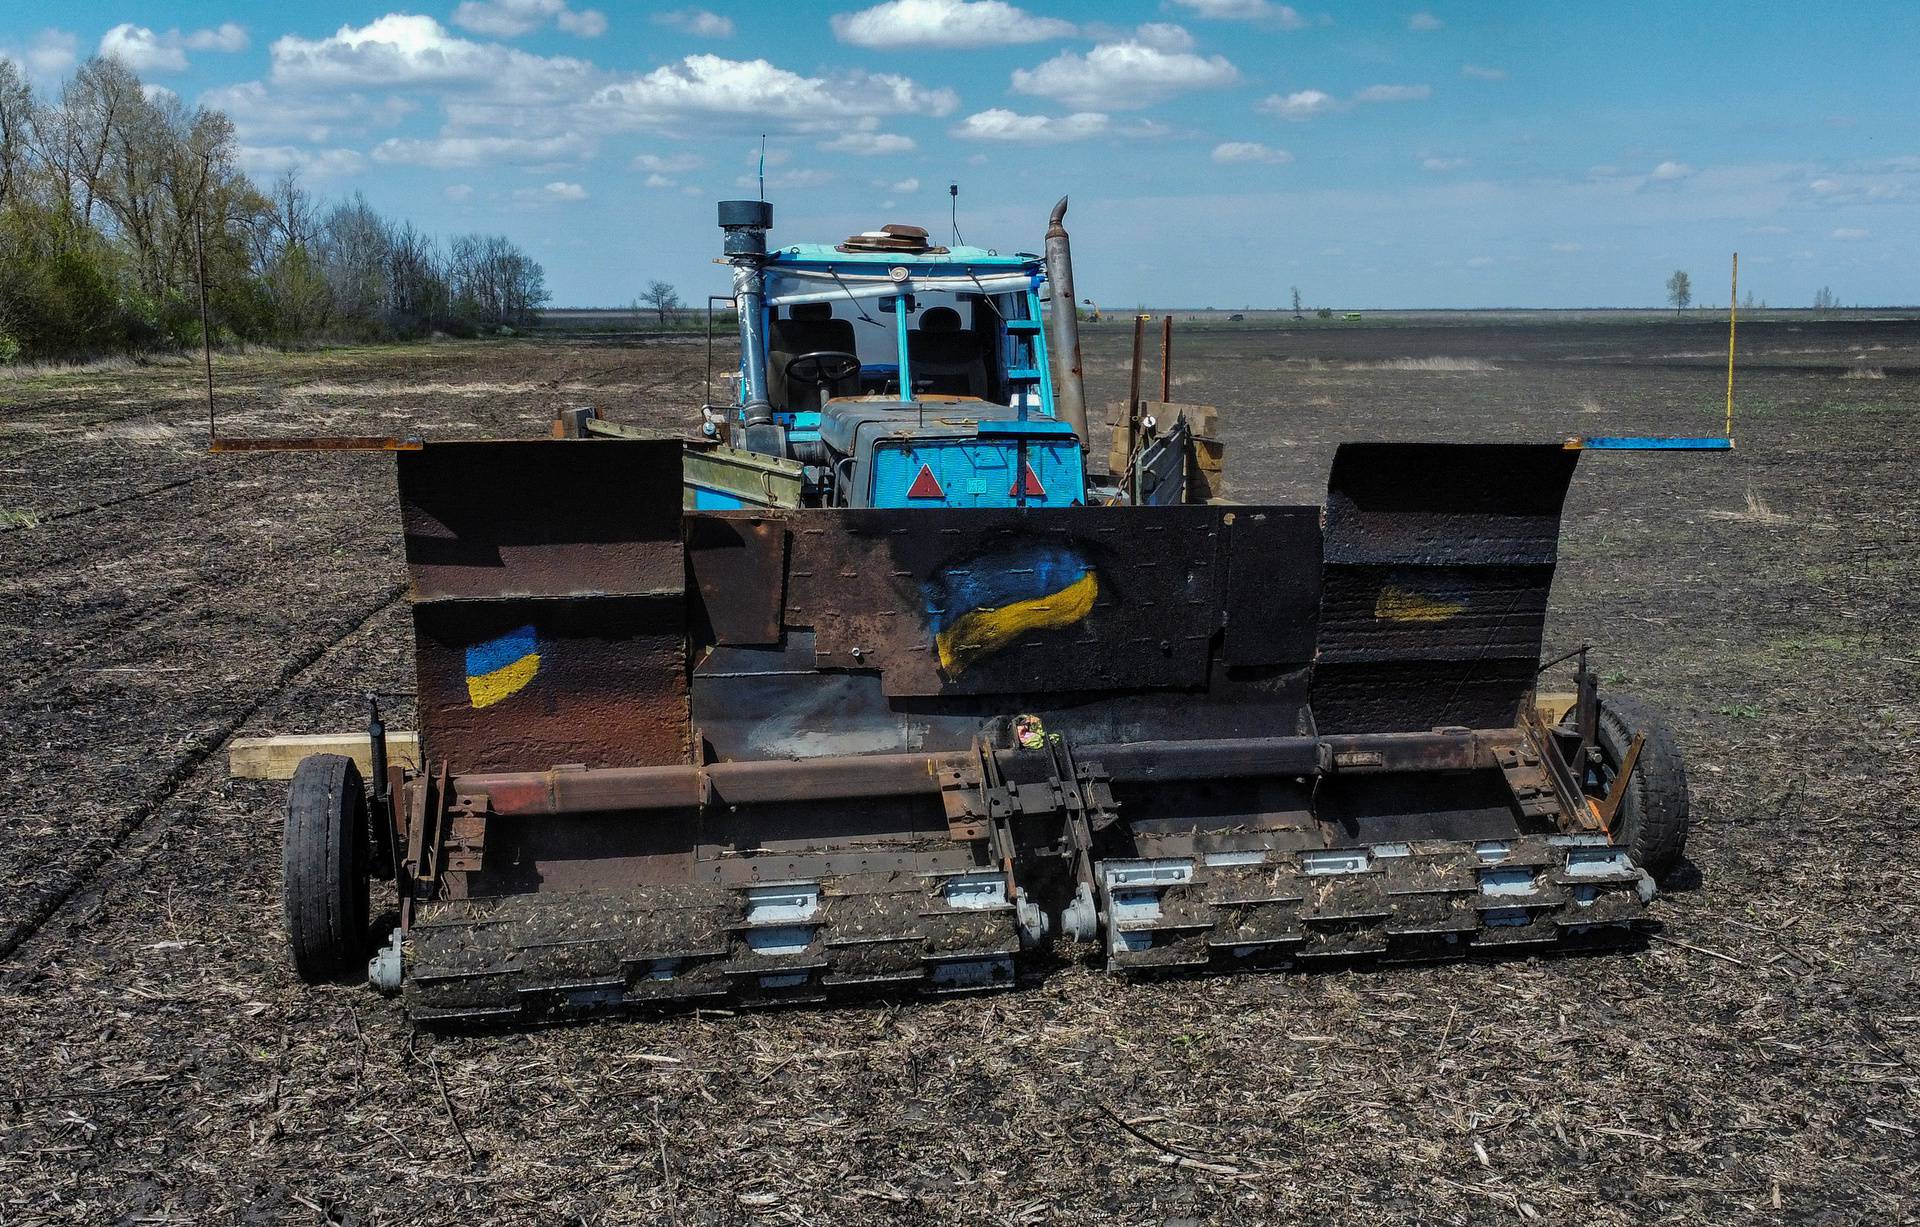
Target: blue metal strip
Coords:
[(1040, 362), (900, 328), (1029, 426), (1653, 443)]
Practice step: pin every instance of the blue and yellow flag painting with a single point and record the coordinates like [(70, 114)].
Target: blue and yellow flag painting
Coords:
[(502, 667), (981, 607)]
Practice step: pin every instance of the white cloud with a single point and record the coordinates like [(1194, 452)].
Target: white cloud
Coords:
[(1394, 93), (449, 152), (1567, 248), (557, 192), (584, 23), (1245, 10), (50, 56), (871, 144), (1000, 124), (946, 23), (268, 161), (1163, 36), (259, 114), (512, 18), (1122, 76), (406, 50), (904, 186), (458, 192), (144, 51), (1668, 172), (1301, 104), (1444, 164), (1424, 23), (1250, 151), (697, 22), (1849, 233), (1481, 72), (1771, 230), (229, 37), (157, 93), (1479, 261), (799, 178), (668, 164), (710, 86)]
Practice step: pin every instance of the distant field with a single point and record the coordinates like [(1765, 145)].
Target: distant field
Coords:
[(1757, 1059)]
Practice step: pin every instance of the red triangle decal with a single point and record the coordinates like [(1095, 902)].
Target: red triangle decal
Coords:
[(1029, 485), (926, 485)]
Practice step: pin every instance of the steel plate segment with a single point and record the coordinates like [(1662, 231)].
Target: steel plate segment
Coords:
[(953, 602), (542, 517), (1273, 585), (520, 685), (737, 562), (549, 614), (1439, 562)]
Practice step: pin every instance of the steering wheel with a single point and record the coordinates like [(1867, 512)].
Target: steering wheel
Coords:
[(822, 368)]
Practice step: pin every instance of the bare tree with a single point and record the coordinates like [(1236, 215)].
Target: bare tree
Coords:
[(1823, 300), (1680, 290), (1297, 314), (662, 297), (16, 123)]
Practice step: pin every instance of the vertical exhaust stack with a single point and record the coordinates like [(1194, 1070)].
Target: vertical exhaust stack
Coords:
[(745, 224), (1069, 388)]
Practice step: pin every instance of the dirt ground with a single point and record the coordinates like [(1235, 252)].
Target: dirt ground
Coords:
[(1759, 1058)]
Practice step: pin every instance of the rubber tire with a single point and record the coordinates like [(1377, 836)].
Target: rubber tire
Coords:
[(324, 867), (1653, 817)]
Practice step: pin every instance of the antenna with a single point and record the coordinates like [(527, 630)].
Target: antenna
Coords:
[(763, 166), (953, 210)]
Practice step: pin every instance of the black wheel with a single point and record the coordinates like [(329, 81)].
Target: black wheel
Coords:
[(1652, 822), (324, 867)]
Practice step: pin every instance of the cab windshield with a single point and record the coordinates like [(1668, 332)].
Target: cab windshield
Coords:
[(953, 343)]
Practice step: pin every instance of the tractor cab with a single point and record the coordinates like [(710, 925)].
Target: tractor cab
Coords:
[(903, 374)]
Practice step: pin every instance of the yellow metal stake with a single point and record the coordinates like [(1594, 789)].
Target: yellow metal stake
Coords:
[(1732, 310)]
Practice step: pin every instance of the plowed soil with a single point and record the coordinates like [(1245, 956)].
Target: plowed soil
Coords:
[(1758, 1058)]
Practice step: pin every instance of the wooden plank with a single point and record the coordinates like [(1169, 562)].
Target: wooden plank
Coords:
[(274, 758), (1554, 706)]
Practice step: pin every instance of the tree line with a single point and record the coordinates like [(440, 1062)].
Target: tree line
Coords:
[(117, 207)]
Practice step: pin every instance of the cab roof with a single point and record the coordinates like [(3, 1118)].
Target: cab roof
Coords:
[(823, 255)]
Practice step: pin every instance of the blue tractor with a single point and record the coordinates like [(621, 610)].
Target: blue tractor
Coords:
[(887, 371)]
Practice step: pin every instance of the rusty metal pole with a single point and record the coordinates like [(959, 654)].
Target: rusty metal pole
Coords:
[(1069, 380), (206, 337), (1166, 359), (1133, 405)]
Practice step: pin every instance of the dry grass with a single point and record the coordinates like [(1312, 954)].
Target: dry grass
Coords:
[(1756, 1063), (1468, 365), (1755, 512), (1864, 372)]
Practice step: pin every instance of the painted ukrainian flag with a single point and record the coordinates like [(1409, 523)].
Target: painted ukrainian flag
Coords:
[(502, 667), (980, 608)]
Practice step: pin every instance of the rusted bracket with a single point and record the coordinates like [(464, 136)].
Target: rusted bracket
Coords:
[(1572, 798), (1617, 794)]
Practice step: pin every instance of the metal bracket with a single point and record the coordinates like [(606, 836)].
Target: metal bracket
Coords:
[(1618, 793)]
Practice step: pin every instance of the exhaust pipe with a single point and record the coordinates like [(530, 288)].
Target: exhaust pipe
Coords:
[(745, 224), (1069, 387)]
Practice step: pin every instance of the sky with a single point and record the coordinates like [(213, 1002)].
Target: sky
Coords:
[(1217, 152)]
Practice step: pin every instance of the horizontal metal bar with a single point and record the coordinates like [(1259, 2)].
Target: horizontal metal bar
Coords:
[(313, 443), (1651, 443), (578, 790)]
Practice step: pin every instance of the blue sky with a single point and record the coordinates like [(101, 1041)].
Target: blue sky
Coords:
[(1217, 151)]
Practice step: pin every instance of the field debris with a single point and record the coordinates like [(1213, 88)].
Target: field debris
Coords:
[(163, 1065)]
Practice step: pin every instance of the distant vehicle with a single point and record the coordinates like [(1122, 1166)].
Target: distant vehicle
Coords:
[(1351, 315), (1236, 318)]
